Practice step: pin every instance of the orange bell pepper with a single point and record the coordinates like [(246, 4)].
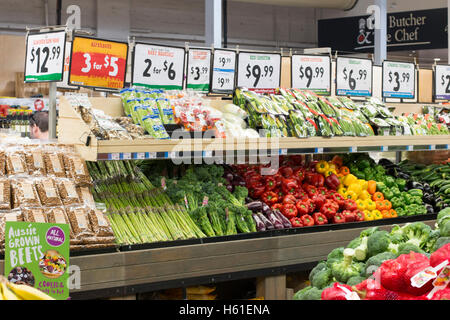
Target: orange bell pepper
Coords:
[(372, 186), (338, 161), (380, 205), (344, 171), (385, 214), (387, 204), (393, 213), (378, 196)]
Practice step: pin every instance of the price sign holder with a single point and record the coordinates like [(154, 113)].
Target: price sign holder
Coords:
[(98, 63), (358, 93), (141, 71), (402, 94), (217, 70), (201, 81), (441, 73), (254, 78), (315, 60)]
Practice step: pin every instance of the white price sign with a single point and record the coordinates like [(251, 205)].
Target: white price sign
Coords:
[(44, 60), (224, 67), (259, 70), (353, 77), (442, 82), (158, 67), (399, 79), (199, 69), (311, 72)]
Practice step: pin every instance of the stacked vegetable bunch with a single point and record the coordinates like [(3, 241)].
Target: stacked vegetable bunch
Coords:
[(378, 265)]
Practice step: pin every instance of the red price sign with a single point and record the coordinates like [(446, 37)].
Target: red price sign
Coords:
[(98, 63)]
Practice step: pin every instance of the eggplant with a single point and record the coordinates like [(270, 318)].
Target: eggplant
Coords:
[(275, 221), (428, 198), (255, 206), (392, 172), (285, 221), (403, 175), (426, 188), (267, 223), (385, 162), (430, 209), (260, 226), (414, 185), (266, 209)]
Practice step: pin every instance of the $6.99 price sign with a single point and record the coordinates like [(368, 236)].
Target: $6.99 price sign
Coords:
[(353, 77), (311, 72), (442, 82), (259, 70), (45, 56), (158, 67), (398, 79), (98, 63)]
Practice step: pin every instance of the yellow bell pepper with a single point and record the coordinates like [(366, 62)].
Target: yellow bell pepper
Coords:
[(342, 191), (322, 166), (351, 195), (368, 216), (332, 166), (361, 204), (364, 195), (377, 214), (363, 183), (350, 179), (329, 172), (370, 204), (355, 187)]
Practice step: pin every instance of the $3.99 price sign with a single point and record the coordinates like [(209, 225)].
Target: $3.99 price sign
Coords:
[(442, 82), (259, 70), (311, 72), (223, 71), (98, 63), (399, 79), (44, 59), (198, 70), (158, 67), (353, 77)]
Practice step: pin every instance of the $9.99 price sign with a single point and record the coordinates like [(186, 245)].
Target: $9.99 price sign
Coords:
[(98, 63), (311, 72), (398, 79), (442, 82), (259, 70), (353, 77), (223, 71), (44, 59), (158, 67)]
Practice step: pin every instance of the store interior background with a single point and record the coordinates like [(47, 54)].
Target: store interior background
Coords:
[(249, 25)]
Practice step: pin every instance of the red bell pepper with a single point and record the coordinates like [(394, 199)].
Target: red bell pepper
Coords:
[(322, 190), (289, 186), (289, 210), (299, 174), (270, 182), (329, 209), (270, 197), (296, 222), (280, 193), (256, 192), (310, 190), (307, 220), (286, 171), (296, 159), (312, 165), (319, 200), (332, 181), (318, 180), (254, 180), (349, 216), (339, 199), (300, 194), (320, 218), (442, 295), (289, 199), (336, 292), (277, 206), (350, 205), (339, 218), (440, 255), (302, 208), (359, 215)]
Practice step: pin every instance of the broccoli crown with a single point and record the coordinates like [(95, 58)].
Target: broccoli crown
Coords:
[(308, 293), (444, 228), (240, 193), (344, 269), (378, 242), (406, 248), (417, 233), (442, 241), (354, 243), (431, 241), (336, 254), (353, 281), (373, 263), (322, 278), (368, 232), (444, 212), (320, 266)]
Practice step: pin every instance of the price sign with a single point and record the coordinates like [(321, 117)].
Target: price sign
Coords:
[(158, 67), (199, 69), (98, 63), (259, 70), (311, 72), (224, 67), (399, 79), (353, 77), (44, 59), (442, 82)]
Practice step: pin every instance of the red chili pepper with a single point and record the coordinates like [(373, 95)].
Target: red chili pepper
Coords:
[(270, 197), (307, 220), (359, 215), (296, 222), (286, 172), (289, 186), (332, 181), (339, 218), (299, 174), (289, 210), (302, 208), (350, 205), (289, 199), (349, 216), (329, 209), (319, 200), (271, 183), (320, 218)]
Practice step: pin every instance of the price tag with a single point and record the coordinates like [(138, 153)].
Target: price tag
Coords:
[(207, 154), (432, 147), (199, 69), (173, 155), (152, 155), (115, 156), (224, 65), (399, 79), (44, 59), (319, 150), (140, 155), (98, 63), (311, 72), (353, 77), (442, 82), (126, 156), (259, 70), (283, 152), (158, 67)]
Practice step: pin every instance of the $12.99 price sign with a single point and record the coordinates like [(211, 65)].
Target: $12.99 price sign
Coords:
[(98, 63), (223, 71), (44, 59), (353, 77), (158, 67), (442, 82), (311, 72), (199, 67), (398, 79), (260, 71)]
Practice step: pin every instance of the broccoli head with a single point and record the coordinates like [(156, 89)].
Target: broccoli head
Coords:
[(444, 228), (354, 243), (308, 293), (320, 266), (342, 270), (361, 248), (417, 233), (353, 281), (406, 248), (373, 263), (378, 242), (443, 213), (442, 241), (432, 238), (336, 254), (322, 278)]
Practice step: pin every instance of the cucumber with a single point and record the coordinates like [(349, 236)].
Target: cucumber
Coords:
[(438, 183), (444, 187)]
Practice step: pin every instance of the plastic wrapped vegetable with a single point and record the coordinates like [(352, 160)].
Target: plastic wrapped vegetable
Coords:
[(152, 124)]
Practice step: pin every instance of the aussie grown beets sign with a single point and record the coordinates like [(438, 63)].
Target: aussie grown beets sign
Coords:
[(412, 30)]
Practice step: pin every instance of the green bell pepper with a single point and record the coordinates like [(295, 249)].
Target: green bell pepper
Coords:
[(416, 200), (388, 194), (353, 168), (406, 198), (380, 169), (396, 191), (380, 177), (412, 209), (397, 202), (363, 164), (401, 184), (359, 174), (381, 187), (400, 211), (416, 192), (389, 181)]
